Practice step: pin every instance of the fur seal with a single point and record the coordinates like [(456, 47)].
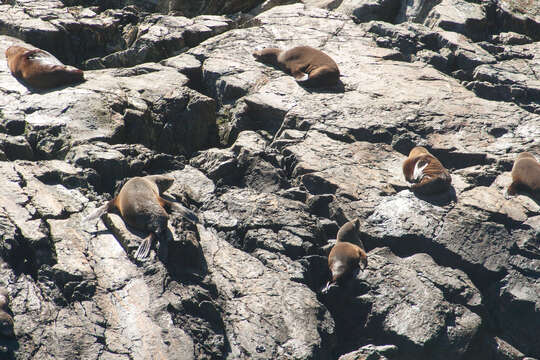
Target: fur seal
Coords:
[(426, 172), (40, 69), (347, 256), (6, 321), (307, 65), (141, 206), (525, 175)]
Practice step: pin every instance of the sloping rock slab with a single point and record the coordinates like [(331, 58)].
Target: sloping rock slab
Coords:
[(149, 104), (424, 309), (267, 316)]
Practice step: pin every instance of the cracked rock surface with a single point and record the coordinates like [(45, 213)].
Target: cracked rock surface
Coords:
[(272, 169)]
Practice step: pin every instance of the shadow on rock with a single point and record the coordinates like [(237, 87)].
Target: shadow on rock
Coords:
[(337, 89), (440, 199), (350, 313), (7, 347), (183, 256), (34, 90), (534, 196)]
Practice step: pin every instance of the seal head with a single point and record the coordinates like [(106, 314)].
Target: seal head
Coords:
[(350, 232)]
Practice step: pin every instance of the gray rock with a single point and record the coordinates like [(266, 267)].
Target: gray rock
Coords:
[(158, 37), (196, 7), (517, 309), (77, 114), (302, 325), (367, 10), (422, 308), (271, 168), (371, 352)]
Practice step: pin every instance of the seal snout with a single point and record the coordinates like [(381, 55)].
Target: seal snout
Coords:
[(257, 50)]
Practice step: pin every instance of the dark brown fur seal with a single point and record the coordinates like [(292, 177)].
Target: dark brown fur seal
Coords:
[(141, 206), (307, 65), (39, 69), (525, 175), (6, 321), (426, 172), (348, 255)]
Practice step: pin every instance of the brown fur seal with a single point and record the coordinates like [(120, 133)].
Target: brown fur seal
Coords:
[(347, 256), (426, 172), (525, 175), (307, 65), (350, 232), (6, 321), (39, 69), (141, 206)]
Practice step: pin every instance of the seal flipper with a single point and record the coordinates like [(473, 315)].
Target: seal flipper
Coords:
[(144, 248), (329, 285), (181, 209), (418, 173), (301, 77)]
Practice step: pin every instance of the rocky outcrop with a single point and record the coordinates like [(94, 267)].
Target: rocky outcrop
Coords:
[(272, 169)]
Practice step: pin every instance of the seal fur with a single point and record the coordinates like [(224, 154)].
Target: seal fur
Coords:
[(525, 175), (348, 255), (141, 206), (40, 69), (6, 321), (307, 65), (426, 172)]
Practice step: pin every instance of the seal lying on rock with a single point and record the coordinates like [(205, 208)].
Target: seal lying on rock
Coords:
[(6, 321), (309, 66), (525, 175), (39, 69), (426, 172), (347, 256), (141, 206)]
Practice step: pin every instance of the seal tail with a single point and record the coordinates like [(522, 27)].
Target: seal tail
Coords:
[(100, 211), (144, 249)]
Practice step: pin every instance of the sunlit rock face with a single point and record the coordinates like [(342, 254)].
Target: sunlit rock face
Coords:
[(272, 169)]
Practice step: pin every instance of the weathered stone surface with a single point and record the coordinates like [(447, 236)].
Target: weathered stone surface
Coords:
[(261, 304), (110, 38), (371, 352), (160, 36), (272, 169), (131, 105), (518, 306), (195, 7), (367, 10), (422, 308)]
